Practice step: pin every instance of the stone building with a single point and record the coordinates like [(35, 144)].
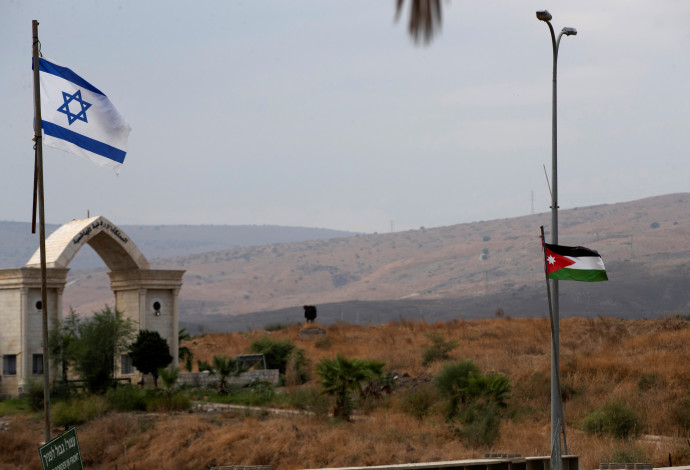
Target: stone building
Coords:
[(148, 296)]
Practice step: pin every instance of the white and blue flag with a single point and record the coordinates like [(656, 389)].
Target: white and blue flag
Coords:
[(78, 118)]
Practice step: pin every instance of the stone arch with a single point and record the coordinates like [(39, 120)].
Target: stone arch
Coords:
[(147, 296), (114, 247)]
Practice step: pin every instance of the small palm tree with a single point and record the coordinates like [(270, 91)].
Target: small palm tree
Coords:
[(169, 378), (223, 367), (341, 376)]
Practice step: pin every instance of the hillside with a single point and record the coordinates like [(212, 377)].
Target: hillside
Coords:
[(640, 364), (467, 270), (161, 241)]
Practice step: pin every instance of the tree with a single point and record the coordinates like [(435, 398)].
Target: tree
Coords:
[(279, 353), (169, 378), (183, 352), (99, 341), (149, 353), (341, 376), (60, 339), (223, 367)]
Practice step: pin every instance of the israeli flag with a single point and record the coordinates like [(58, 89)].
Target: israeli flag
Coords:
[(78, 118)]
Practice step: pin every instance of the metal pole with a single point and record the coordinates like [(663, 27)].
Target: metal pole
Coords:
[(556, 406), (42, 230), (555, 341)]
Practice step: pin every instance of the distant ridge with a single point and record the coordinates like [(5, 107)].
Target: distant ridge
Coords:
[(162, 241), (473, 270)]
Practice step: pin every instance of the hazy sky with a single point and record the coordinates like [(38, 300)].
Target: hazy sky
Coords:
[(325, 114)]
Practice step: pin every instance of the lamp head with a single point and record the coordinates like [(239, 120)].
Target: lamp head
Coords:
[(544, 15), (569, 31)]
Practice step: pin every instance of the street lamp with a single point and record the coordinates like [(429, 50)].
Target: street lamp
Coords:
[(556, 409)]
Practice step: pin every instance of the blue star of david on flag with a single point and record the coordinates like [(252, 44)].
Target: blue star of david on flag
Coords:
[(67, 98), (71, 117)]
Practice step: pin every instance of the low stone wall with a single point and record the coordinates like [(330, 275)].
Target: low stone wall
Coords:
[(205, 379)]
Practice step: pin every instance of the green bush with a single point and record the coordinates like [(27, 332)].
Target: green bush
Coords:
[(12, 406), (163, 402), (454, 384), (279, 353), (647, 381), (419, 403), (480, 427), (79, 410), (629, 454), (34, 395), (438, 350), (66, 414), (475, 401), (614, 419), (127, 398)]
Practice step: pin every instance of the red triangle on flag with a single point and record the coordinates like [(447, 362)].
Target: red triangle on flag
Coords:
[(554, 261)]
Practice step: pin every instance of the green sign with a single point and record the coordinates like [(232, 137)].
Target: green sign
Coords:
[(62, 453)]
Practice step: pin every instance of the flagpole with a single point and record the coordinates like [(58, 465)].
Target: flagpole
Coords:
[(38, 178), (555, 358)]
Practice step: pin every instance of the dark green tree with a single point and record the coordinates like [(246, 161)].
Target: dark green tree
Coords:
[(150, 352), (279, 353), (99, 341), (60, 339)]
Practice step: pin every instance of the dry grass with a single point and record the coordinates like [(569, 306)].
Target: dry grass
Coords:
[(641, 363)]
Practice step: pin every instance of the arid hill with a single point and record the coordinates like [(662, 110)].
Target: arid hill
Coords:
[(460, 271)]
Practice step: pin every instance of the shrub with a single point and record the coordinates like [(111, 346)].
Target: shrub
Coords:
[(78, 411), (11, 406), (453, 384), (614, 419), (438, 350), (475, 400), (34, 395), (647, 381), (419, 403), (481, 425), (66, 414), (628, 455), (127, 398), (162, 402), (279, 353)]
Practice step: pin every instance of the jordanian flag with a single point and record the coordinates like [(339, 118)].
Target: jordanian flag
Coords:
[(573, 263)]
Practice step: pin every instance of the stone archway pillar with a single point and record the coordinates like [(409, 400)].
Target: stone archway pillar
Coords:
[(150, 298)]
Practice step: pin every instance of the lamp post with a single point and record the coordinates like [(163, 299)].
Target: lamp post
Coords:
[(556, 407)]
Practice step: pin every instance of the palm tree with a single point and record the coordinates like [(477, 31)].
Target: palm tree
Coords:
[(425, 19), (183, 352), (224, 367), (340, 376)]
